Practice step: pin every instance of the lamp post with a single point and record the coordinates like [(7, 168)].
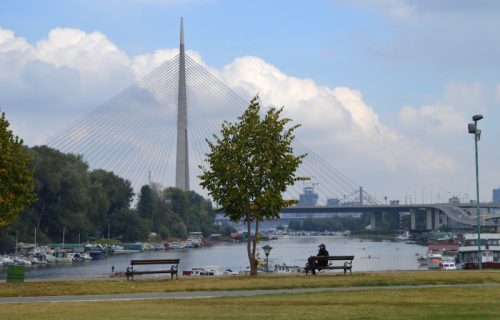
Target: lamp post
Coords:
[(267, 250), (477, 135)]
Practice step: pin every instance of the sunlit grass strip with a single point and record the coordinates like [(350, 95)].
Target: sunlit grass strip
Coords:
[(92, 287), (435, 303)]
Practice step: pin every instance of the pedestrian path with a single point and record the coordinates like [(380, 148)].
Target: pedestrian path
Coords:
[(213, 294)]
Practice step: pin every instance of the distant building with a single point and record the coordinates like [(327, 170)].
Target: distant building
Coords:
[(331, 202), (496, 195), (454, 200), (309, 198)]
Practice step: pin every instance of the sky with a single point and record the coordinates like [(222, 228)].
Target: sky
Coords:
[(384, 89)]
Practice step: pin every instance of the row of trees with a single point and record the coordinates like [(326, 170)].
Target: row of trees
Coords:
[(97, 204)]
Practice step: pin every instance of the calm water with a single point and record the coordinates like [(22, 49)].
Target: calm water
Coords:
[(368, 256)]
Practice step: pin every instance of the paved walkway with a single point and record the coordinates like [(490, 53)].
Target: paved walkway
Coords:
[(212, 294)]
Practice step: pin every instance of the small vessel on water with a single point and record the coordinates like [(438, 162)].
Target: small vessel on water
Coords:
[(402, 235), (75, 257), (206, 271), (176, 245), (434, 260), (287, 269)]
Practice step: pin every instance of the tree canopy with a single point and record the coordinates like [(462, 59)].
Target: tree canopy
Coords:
[(16, 175), (250, 166)]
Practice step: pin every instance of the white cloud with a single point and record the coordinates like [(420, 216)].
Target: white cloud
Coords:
[(432, 119), (334, 118), (448, 116)]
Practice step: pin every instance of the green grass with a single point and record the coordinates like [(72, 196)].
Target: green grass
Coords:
[(435, 303), (84, 287)]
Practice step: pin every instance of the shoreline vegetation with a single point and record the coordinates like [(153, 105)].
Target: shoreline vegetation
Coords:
[(33, 288)]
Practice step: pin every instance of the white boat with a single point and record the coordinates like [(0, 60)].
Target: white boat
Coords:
[(206, 271), (286, 269), (402, 235), (38, 259), (434, 260), (6, 261), (75, 257), (62, 257), (176, 245), (21, 261), (86, 256)]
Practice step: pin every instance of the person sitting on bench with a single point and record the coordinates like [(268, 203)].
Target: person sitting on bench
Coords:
[(314, 263)]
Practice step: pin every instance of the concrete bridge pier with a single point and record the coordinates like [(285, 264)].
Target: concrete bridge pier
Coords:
[(375, 220), (429, 219), (437, 222), (440, 219), (413, 219)]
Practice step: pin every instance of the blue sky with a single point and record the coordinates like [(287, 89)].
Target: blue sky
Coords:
[(418, 71)]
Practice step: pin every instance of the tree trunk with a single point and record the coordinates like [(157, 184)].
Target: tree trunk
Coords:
[(252, 247)]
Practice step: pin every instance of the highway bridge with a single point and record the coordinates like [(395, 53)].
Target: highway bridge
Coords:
[(451, 216)]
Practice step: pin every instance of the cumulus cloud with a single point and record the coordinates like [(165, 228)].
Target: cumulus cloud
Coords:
[(333, 118)]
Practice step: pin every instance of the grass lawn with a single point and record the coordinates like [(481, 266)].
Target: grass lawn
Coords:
[(84, 287), (434, 303)]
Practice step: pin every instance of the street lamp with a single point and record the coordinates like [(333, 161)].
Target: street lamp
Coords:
[(267, 250), (477, 135)]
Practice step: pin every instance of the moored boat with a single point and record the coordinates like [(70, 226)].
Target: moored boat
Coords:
[(287, 269), (402, 235), (206, 271)]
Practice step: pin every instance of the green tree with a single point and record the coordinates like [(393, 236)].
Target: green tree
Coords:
[(62, 185), (128, 226), (16, 175), (250, 165), (118, 193)]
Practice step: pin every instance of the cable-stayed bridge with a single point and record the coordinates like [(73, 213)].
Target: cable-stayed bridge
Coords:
[(136, 133), (155, 131)]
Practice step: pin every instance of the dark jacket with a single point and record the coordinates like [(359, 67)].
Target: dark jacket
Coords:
[(322, 252)]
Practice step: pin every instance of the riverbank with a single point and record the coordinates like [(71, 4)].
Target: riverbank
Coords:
[(261, 282)]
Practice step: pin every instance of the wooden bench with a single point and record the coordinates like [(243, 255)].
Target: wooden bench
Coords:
[(173, 268), (347, 265)]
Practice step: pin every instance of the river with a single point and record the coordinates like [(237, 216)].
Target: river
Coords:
[(369, 255)]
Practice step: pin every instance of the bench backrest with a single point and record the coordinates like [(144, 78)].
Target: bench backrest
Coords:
[(155, 261), (335, 258)]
